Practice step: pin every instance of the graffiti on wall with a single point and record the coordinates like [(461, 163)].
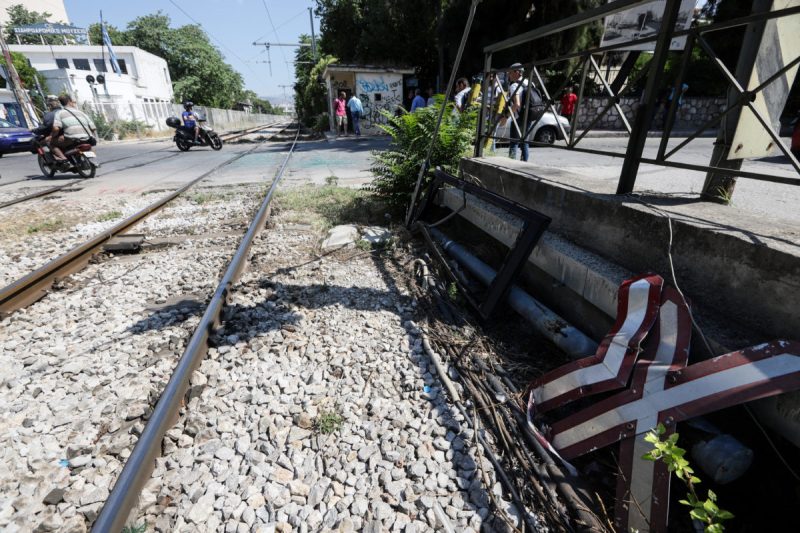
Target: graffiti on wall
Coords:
[(378, 94)]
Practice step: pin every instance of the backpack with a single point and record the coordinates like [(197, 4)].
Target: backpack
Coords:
[(536, 103)]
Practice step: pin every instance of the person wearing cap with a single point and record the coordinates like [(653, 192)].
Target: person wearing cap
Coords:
[(516, 94), (46, 126)]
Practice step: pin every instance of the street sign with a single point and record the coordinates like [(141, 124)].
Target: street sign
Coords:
[(610, 367)]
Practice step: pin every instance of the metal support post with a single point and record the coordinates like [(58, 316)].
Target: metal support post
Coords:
[(313, 35), (718, 187), (483, 115), (644, 115)]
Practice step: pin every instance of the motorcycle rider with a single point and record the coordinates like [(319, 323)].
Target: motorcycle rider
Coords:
[(53, 105), (71, 126), (191, 120)]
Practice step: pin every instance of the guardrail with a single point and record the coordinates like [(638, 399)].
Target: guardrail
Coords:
[(721, 171)]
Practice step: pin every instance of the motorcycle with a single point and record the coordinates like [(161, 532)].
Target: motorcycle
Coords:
[(184, 138), (79, 159)]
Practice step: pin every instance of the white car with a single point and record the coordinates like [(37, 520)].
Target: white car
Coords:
[(545, 131)]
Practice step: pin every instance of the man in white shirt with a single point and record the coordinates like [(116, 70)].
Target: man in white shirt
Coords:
[(462, 94), (356, 111)]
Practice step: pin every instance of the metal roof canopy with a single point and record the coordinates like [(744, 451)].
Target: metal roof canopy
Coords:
[(344, 67)]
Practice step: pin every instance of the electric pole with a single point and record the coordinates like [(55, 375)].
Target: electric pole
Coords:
[(313, 37)]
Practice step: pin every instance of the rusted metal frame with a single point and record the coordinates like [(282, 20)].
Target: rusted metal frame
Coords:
[(574, 118), (39, 194), (748, 97), (614, 97), (33, 286), (708, 124), (740, 173), (645, 112), (550, 102), (777, 75), (487, 64), (140, 464), (578, 19), (534, 226), (717, 26), (606, 108), (676, 95)]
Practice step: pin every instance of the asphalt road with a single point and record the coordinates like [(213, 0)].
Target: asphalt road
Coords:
[(140, 166)]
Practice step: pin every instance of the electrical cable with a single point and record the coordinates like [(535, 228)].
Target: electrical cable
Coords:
[(275, 32), (282, 24)]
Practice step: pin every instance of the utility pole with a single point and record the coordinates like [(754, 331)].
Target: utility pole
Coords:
[(24, 101), (313, 37)]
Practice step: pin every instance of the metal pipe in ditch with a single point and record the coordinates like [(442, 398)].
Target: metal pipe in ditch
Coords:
[(564, 335)]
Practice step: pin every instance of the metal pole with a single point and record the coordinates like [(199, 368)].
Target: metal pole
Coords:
[(487, 66), (313, 36), (633, 155), (718, 187)]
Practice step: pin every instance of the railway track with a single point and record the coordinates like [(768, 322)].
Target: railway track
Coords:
[(52, 190), (139, 466), (34, 285)]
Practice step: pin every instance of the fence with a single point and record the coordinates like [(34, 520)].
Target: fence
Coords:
[(745, 98), (120, 120)]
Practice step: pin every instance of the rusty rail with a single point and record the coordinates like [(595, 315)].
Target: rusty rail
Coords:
[(140, 464), (34, 286)]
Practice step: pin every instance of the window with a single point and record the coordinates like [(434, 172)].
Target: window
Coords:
[(62, 63), (100, 65), (81, 64), (122, 66)]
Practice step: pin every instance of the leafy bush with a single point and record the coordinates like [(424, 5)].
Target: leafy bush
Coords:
[(321, 123), (396, 169), (121, 128)]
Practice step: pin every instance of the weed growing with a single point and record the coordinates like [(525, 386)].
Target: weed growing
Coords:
[(111, 215), (328, 422), (47, 225)]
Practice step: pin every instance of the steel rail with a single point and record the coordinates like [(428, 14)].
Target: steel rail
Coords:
[(53, 190), (139, 466), (33, 286)]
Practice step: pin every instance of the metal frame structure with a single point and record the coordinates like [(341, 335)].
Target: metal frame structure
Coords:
[(638, 129), (534, 226)]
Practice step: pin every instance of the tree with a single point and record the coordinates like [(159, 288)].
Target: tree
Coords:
[(260, 105), (198, 70), (311, 95), (28, 76), (18, 15)]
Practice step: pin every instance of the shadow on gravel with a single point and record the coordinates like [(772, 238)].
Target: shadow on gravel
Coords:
[(272, 312)]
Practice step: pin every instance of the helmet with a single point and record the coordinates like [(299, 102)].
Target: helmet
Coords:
[(187, 104)]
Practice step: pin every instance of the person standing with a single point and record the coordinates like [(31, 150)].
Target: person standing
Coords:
[(430, 101), (462, 94), (356, 110), (341, 113), (668, 102), (568, 102), (516, 95), (418, 100)]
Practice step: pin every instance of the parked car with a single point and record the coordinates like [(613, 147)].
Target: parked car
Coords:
[(545, 131), (14, 139)]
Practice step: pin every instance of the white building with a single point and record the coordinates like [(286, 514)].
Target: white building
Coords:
[(54, 7), (142, 91)]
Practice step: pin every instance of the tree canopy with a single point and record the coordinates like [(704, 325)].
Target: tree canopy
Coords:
[(198, 70)]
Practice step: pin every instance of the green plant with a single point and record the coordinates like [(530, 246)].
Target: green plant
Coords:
[(452, 291), (141, 528), (397, 168), (201, 198), (364, 244), (332, 181), (111, 215), (321, 123), (47, 225), (328, 422), (705, 511)]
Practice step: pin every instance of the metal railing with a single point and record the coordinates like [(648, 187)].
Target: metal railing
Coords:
[(583, 63)]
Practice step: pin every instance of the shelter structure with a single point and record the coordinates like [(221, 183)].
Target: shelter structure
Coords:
[(380, 88)]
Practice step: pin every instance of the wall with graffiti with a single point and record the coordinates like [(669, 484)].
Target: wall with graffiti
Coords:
[(378, 92)]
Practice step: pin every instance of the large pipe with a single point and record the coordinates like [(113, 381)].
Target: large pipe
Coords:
[(556, 329)]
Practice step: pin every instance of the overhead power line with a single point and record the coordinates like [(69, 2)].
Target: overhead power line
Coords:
[(275, 32)]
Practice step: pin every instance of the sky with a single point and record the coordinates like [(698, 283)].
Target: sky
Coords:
[(232, 25)]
